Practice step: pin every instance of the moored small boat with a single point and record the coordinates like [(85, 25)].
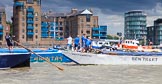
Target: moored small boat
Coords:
[(14, 60)]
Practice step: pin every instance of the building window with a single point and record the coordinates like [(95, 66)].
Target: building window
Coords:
[(23, 19), (22, 36), (88, 26), (61, 28), (36, 25), (36, 37), (36, 31), (82, 31), (61, 34), (88, 17), (23, 24), (88, 32), (36, 19), (1, 37), (23, 30), (29, 1), (38, 2), (60, 23)]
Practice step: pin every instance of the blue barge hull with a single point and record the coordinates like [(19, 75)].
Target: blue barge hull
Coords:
[(10, 60), (51, 54)]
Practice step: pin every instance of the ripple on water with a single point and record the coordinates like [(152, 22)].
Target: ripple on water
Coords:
[(44, 73)]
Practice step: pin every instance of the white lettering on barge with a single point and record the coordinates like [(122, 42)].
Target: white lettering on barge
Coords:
[(144, 59)]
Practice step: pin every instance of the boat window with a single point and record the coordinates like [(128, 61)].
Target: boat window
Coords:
[(100, 43)]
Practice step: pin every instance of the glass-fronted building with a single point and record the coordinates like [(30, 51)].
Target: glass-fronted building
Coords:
[(135, 25), (157, 32)]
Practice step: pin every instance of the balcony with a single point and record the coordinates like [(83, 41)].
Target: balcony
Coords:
[(20, 4), (59, 38), (30, 10), (103, 35), (1, 33), (30, 22), (30, 27), (44, 35), (30, 33), (30, 16), (44, 24), (44, 29), (95, 34), (95, 28), (1, 27), (52, 35)]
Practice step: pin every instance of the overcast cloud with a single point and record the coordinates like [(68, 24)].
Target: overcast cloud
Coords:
[(110, 12)]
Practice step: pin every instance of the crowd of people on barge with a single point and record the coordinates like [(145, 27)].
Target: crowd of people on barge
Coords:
[(79, 44)]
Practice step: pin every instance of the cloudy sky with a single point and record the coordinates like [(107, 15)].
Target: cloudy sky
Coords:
[(110, 12)]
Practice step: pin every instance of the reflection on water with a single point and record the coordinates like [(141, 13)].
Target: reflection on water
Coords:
[(44, 73)]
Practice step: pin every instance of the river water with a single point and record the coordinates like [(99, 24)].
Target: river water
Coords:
[(44, 73)]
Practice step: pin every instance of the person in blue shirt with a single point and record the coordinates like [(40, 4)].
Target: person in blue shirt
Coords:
[(88, 44), (76, 43), (83, 40)]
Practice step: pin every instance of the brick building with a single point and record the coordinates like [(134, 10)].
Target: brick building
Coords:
[(3, 26)]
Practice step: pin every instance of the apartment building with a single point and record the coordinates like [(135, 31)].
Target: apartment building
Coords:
[(135, 25), (27, 21), (32, 27), (72, 23)]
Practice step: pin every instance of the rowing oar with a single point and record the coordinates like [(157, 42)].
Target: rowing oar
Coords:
[(60, 68)]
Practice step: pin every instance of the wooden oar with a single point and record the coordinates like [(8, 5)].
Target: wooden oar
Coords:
[(60, 68)]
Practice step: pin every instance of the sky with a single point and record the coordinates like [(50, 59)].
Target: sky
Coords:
[(110, 12)]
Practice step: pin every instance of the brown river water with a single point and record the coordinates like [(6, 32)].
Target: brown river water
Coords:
[(44, 73)]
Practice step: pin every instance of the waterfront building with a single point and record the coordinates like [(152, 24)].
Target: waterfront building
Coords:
[(27, 21), (99, 32), (150, 34), (81, 22), (32, 27), (135, 25), (72, 23), (157, 32), (54, 23), (3, 26)]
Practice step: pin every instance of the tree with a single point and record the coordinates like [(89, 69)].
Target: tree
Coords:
[(116, 38), (109, 37)]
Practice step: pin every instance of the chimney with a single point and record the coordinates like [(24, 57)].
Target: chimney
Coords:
[(74, 10)]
